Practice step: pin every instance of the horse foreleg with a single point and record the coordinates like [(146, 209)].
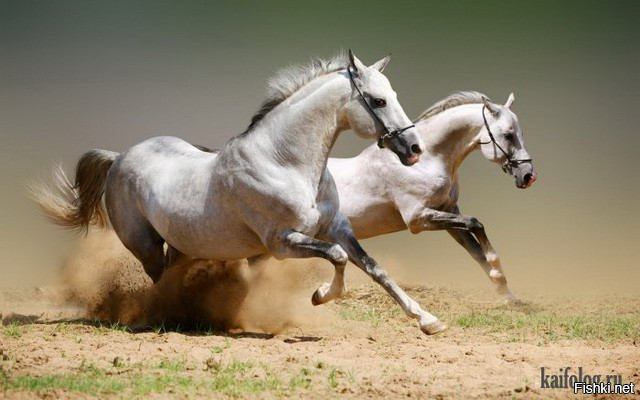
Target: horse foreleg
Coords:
[(469, 242), (342, 233), (297, 245), (427, 219), (491, 256)]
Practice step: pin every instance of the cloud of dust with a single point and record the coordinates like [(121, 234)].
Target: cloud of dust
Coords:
[(105, 280)]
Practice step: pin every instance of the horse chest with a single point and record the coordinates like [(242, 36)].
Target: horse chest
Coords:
[(433, 187)]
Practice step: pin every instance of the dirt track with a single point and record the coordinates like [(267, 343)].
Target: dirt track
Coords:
[(359, 347), (68, 341)]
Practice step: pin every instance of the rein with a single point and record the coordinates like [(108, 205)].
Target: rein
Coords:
[(509, 162), (388, 134)]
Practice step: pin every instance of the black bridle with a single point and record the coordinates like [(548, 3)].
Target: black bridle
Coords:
[(510, 162), (388, 134)]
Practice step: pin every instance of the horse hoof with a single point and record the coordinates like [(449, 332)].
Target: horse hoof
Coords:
[(322, 294), (315, 299), (434, 327)]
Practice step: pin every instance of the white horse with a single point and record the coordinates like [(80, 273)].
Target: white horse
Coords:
[(266, 192), (379, 196)]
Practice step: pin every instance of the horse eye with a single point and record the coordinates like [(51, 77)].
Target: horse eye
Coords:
[(510, 136), (378, 102)]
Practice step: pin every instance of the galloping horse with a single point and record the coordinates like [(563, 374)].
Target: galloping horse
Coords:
[(266, 192), (379, 196)]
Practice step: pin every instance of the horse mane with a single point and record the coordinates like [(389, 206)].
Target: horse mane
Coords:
[(290, 79), (453, 100)]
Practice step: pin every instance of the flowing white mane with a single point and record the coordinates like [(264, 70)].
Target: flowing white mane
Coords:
[(453, 100), (289, 79)]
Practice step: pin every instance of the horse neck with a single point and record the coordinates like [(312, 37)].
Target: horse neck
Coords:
[(453, 134), (302, 130)]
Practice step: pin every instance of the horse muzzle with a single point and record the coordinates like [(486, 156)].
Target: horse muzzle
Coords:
[(527, 180), (407, 146)]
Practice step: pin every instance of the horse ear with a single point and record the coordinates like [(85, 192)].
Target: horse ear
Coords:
[(510, 100), (493, 109), (355, 64), (382, 64)]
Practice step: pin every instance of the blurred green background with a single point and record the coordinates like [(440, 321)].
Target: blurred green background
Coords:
[(77, 75)]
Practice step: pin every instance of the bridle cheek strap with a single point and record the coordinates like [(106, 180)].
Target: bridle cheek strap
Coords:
[(509, 162), (388, 134), (391, 135)]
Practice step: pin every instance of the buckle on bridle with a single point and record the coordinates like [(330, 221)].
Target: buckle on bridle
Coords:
[(391, 135)]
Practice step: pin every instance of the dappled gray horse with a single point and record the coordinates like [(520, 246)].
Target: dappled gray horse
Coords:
[(266, 192), (379, 196)]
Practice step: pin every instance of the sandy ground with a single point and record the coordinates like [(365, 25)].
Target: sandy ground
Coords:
[(57, 342), (372, 355)]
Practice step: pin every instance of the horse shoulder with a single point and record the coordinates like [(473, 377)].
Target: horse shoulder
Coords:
[(428, 183), (269, 197), (362, 183), (344, 172)]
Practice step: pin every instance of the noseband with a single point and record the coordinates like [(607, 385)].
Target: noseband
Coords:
[(510, 162), (388, 134)]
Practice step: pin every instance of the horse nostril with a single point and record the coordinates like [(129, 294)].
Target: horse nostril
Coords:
[(527, 178), (416, 149)]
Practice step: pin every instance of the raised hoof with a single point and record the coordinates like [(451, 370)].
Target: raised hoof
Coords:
[(434, 327), (321, 295)]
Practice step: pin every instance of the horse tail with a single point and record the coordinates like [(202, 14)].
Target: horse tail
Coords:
[(76, 206)]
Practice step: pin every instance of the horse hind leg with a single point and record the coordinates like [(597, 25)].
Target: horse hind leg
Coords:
[(148, 247), (142, 240), (173, 256)]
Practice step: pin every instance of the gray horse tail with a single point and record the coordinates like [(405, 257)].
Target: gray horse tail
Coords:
[(76, 206)]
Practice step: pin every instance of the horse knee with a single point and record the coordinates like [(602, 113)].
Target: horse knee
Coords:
[(475, 225), (338, 256)]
